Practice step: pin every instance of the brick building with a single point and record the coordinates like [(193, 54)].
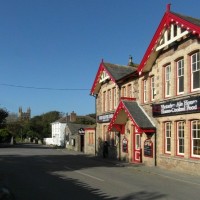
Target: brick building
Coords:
[(151, 114)]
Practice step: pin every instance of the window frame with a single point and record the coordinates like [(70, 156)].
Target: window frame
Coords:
[(167, 78), (180, 134), (197, 69), (196, 138), (145, 90), (153, 88), (168, 134), (180, 63)]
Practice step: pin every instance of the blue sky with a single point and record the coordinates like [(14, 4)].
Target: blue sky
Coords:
[(59, 44)]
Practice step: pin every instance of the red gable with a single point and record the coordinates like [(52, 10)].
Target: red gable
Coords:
[(96, 85), (168, 19)]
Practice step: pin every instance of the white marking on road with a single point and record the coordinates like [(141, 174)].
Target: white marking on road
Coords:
[(82, 173)]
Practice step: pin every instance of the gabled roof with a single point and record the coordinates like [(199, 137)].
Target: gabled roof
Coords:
[(61, 120), (129, 109), (115, 73), (75, 127), (190, 24)]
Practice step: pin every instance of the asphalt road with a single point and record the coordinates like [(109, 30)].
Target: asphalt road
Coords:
[(35, 172)]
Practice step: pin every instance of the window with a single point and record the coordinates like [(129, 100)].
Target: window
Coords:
[(109, 100), (114, 98), (167, 80), (195, 69), (180, 138), (104, 101), (168, 137), (91, 138), (145, 90), (129, 91), (195, 136), (153, 92), (123, 91), (180, 76)]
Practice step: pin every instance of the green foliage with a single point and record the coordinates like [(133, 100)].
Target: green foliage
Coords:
[(5, 135), (3, 115)]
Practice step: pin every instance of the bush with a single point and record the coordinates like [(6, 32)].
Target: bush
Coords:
[(5, 136)]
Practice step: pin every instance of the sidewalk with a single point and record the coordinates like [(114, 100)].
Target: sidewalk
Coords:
[(170, 174)]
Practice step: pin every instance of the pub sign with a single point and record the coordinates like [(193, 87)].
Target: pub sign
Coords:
[(178, 107)]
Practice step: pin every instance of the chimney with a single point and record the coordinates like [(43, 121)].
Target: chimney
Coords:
[(73, 117), (130, 61)]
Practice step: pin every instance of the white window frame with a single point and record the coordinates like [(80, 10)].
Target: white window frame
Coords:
[(114, 97), (153, 91), (168, 81), (168, 133), (180, 75), (195, 138), (195, 69), (180, 138), (145, 90)]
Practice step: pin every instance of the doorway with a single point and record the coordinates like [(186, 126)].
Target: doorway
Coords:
[(137, 148)]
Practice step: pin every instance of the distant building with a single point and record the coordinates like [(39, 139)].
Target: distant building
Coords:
[(24, 116)]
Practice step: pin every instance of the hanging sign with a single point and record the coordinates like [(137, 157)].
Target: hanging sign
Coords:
[(81, 131), (105, 118)]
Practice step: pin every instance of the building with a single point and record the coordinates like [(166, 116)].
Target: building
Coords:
[(112, 82), (58, 129), (155, 119), (170, 91), (24, 116), (80, 137)]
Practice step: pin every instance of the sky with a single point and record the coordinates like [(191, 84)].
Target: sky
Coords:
[(50, 50)]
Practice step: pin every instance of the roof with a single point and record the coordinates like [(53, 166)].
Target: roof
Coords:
[(191, 25), (75, 127), (61, 120), (129, 109), (114, 71)]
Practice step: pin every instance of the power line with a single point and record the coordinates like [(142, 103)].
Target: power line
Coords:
[(40, 88)]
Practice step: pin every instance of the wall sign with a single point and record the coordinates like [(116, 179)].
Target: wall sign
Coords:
[(105, 118), (148, 148), (184, 106), (81, 131), (125, 145)]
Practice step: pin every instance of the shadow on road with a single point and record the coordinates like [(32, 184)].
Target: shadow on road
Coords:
[(30, 179)]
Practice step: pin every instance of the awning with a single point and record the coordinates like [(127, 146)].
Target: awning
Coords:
[(130, 109)]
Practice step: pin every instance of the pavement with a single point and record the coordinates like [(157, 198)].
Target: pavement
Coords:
[(155, 170)]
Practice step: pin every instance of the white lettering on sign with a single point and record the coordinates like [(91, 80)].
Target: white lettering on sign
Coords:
[(180, 106), (105, 117)]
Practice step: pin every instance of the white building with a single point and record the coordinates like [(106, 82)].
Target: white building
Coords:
[(58, 132)]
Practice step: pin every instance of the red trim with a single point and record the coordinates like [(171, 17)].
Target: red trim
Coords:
[(166, 20), (128, 98), (121, 127), (100, 70)]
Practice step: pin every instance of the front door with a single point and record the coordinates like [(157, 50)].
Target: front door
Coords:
[(137, 148)]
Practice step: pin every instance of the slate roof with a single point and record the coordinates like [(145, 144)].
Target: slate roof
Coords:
[(188, 18), (62, 120), (119, 71), (75, 127), (138, 115)]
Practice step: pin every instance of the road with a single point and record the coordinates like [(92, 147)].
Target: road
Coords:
[(35, 172)]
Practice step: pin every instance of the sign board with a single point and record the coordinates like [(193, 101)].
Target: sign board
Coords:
[(105, 118), (178, 107), (125, 145), (148, 148), (81, 131)]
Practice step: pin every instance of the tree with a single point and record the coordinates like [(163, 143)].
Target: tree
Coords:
[(3, 115), (5, 135)]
